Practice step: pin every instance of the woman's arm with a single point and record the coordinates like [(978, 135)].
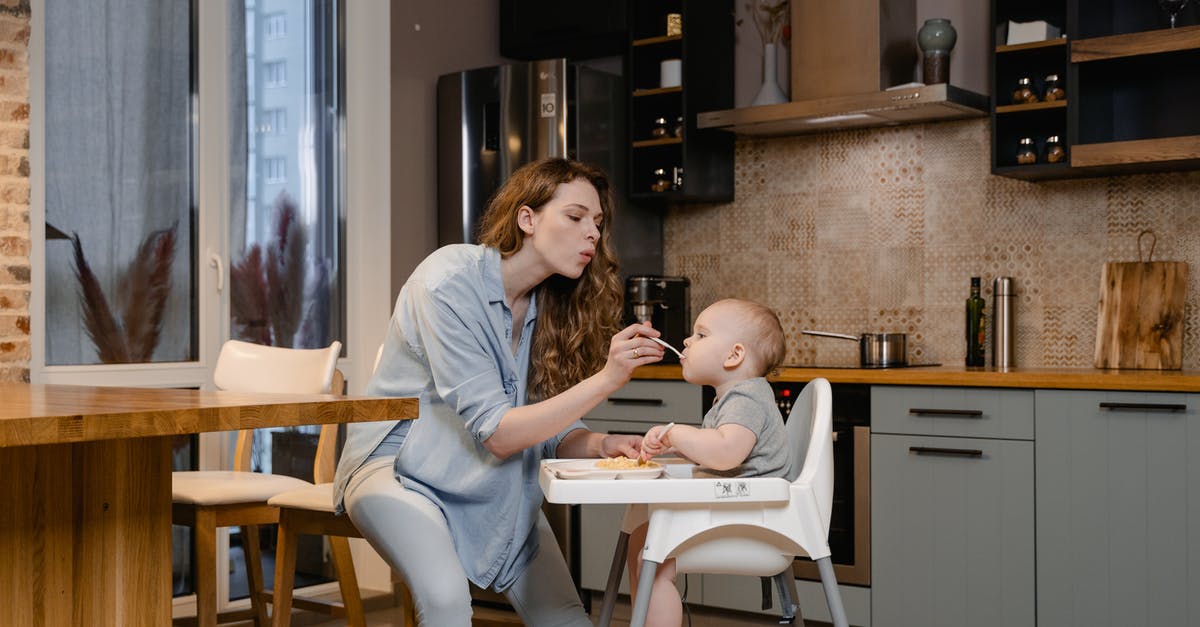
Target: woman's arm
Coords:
[(722, 448), (584, 443), (522, 427)]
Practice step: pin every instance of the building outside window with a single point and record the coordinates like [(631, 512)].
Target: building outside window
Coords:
[(273, 122), (276, 169), (275, 74), (275, 25)]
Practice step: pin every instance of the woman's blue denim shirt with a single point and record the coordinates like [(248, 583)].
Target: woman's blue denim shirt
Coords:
[(449, 344)]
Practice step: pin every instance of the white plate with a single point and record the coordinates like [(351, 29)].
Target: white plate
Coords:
[(587, 469)]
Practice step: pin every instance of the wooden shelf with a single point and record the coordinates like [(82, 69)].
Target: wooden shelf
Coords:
[(1033, 45), (651, 41), (662, 141), (1135, 44), (656, 91), (1184, 149), (1036, 171), (1035, 106)]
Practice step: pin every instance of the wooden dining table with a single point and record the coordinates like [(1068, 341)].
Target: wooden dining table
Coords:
[(85, 490)]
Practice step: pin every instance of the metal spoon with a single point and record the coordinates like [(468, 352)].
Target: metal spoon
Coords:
[(673, 349)]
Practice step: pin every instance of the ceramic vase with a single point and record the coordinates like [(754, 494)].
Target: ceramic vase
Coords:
[(770, 92), (936, 39)]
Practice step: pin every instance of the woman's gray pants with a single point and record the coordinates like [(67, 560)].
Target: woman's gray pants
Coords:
[(411, 534)]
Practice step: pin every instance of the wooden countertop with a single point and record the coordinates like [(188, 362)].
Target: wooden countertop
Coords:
[(1044, 378), (52, 414)]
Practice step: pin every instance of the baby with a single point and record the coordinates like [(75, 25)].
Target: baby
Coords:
[(734, 344)]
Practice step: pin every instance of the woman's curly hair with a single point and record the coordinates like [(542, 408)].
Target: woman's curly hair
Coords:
[(576, 317)]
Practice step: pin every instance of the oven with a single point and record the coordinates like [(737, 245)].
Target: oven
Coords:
[(850, 520)]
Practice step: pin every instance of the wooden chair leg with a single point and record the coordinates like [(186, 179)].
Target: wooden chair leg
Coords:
[(205, 530), (406, 601), (285, 573), (254, 574), (343, 563)]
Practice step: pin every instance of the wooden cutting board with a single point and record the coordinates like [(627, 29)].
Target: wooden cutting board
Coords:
[(1140, 324)]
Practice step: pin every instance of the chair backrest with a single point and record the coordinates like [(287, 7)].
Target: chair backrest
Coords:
[(325, 464), (810, 430), (245, 367)]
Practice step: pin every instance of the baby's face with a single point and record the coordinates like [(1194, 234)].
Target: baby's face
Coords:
[(705, 351)]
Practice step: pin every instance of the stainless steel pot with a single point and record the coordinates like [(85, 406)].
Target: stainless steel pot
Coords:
[(875, 350)]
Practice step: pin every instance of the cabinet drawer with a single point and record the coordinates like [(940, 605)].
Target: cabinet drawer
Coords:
[(652, 402), (959, 412)]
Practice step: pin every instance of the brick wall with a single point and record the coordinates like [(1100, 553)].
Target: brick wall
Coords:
[(14, 190)]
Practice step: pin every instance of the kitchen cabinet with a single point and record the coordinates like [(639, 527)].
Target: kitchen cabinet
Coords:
[(1128, 82), (952, 511), (1118, 503), (696, 164)]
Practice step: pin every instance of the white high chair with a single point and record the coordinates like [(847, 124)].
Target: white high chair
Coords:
[(747, 538)]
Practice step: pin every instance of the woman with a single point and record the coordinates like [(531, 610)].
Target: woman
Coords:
[(462, 478)]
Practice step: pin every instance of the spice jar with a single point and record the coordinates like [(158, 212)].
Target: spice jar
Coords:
[(678, 130), (1055, 153), (661, 182), (1026, 153), (660, 128), (1024, 93), (1052, 89)]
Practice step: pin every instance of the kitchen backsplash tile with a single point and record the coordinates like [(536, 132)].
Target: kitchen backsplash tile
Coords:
[(880, 230)]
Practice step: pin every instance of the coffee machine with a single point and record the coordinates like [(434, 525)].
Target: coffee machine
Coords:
[(663, 300)]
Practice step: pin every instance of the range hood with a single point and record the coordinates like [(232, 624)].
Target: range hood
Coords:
[(838, 86), (907, 105)]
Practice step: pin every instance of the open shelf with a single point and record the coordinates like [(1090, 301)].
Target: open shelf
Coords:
[(1033, 45), (664, 141), (1033, 106), (1135, 44), (1036, 172), (651, 41), (1186, 149), (656, 91)]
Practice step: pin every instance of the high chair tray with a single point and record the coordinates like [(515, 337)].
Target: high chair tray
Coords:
[(681, 483)]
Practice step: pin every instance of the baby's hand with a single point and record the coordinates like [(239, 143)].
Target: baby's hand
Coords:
[(655, 442)]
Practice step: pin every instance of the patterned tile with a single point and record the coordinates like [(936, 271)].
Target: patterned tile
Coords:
[(881, 230)]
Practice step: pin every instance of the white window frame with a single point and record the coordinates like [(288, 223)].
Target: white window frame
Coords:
[(367, 125)]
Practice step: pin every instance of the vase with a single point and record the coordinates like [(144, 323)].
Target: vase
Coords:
[(936, 39), (770, 92)]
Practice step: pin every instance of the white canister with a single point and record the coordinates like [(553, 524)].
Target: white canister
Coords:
[(670, 73)]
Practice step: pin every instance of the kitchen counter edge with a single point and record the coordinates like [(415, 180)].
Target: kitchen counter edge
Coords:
[(1038, 378)]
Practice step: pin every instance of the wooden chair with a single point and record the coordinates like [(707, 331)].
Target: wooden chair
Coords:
[(208, 500), (309, 510)]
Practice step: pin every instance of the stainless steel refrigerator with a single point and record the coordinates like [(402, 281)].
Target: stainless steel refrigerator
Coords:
[(493, 120)]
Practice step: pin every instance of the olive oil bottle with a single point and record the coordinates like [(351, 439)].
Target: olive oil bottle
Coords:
[(975, 325)]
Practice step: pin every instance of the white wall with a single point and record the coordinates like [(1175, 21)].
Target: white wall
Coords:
[(429, 38)]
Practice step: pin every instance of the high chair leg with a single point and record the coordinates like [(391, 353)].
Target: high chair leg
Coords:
[(785, 583), (614, 580), (832, 596), (641, 603)]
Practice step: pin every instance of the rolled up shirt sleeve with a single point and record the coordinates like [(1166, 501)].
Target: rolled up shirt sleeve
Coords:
[(461, 362)]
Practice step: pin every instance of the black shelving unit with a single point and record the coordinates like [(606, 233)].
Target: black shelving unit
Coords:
[(1131, 84), (706, 50)]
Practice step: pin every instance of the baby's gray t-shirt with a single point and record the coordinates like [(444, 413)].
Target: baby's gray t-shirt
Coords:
[(751, 404)]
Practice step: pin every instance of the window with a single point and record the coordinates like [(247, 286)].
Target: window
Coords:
[(273, 122), (275, 26), (275, 169), (275, 73)]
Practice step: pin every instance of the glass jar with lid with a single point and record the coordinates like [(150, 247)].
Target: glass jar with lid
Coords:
[(1026, 151), (1052, 89), (1024, 93), (660, 128), (678, 130), (661, 182), (1055, 153)]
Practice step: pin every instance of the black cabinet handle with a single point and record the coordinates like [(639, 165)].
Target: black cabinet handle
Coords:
[(1145, 406), (957, 452), (643, 402), (965, 413)]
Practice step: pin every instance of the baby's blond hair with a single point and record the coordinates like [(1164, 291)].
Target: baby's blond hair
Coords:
[(763, 332)]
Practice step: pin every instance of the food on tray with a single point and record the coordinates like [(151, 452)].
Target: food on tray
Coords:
[(625, 463)]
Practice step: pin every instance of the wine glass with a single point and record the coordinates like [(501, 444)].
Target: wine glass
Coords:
[(1172, 7)]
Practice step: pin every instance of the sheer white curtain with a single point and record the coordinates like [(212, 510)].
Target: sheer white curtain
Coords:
[(119, 168)]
